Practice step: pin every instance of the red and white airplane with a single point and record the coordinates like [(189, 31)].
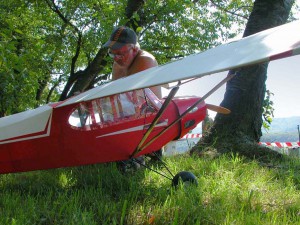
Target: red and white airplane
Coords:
[(123, 119)]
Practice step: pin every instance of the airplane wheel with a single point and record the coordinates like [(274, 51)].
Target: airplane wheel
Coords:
[(185, 177)]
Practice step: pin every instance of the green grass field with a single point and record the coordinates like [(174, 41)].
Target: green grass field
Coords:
[(231, 190)]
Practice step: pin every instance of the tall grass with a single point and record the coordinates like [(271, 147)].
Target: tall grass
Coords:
[(231, 190)]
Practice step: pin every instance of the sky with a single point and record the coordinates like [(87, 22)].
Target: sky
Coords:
[(283, 81)]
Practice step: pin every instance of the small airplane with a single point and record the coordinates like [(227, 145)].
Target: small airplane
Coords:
[(124, 119)]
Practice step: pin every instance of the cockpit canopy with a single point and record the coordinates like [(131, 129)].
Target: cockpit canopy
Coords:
[(115, 109)]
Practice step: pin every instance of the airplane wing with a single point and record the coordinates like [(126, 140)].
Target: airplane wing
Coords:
[(279, 42), (26, 125)]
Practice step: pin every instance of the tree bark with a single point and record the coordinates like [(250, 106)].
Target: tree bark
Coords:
[(241, 130)]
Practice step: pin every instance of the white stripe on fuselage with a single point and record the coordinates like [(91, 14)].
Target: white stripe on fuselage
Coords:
[(132, 129)]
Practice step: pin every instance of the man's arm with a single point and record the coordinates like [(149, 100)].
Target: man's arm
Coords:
[(118, 72)]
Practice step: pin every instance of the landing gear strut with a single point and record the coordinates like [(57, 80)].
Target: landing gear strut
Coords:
[(185, 177)]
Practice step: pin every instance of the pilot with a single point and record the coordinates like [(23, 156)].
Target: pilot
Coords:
[(128, 57)]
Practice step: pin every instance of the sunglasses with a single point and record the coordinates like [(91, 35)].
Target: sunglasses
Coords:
[(119, 54)]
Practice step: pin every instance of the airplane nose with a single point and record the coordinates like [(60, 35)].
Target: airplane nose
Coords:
[(194, 117)]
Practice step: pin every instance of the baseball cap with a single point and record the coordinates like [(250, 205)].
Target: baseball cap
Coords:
[(120, 37)]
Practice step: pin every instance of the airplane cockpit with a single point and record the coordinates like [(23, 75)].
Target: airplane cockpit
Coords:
[(114, 109)]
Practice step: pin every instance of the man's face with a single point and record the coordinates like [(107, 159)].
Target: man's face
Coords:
[(123, 56)]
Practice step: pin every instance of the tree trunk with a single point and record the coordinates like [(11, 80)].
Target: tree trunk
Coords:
[(83, 80), (241, 130)]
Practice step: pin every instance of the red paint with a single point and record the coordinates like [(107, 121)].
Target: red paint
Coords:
[(97, 142)]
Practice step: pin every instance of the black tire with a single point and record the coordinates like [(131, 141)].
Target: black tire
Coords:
[(185, 177)]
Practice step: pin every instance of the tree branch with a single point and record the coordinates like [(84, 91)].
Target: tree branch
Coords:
[(56, 10), (132, 7), (230, 12)]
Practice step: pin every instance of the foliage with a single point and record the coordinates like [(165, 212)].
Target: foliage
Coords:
[(43, 42), (20, 67), (268, 110), (228, 193)]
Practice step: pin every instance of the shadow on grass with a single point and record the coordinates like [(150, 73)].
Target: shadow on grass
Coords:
[(105, 178), (284, 167), (101, 194)]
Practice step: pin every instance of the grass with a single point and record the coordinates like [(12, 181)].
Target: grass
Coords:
[(231, 190)]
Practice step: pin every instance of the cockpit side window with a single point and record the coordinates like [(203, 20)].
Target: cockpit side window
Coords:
[(106, 109), (114, 109), (127, 104), (80, 117)]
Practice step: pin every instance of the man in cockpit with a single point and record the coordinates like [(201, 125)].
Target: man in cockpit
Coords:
[(128, 57)]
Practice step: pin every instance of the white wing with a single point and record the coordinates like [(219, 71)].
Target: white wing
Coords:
[(279, 42), (26, 125)]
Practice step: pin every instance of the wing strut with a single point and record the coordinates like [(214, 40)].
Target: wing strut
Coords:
[(229, 77), (154, 122)]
